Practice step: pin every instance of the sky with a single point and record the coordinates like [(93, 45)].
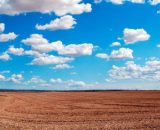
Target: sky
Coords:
[(80, 44)]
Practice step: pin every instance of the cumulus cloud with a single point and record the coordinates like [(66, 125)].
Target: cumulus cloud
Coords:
[(38, 43), (34, 53), (42, 45), (76, 49), (102, 56), (97, 1), (2, 27), (118, 2), (15, 51), (158, 45), (138, 1), (63, 23), (122, 53), (69, 83), (4, 57), (154, 2), (59, 7), (115, 1), (16, 78), (7, 37), (72, 84), (2, 78), (115, 44), (132, 36), (62, 66), (150, 71), (50, 59), (58, 80), (75, 83), (35, 80), (158, 11), (5, 72)]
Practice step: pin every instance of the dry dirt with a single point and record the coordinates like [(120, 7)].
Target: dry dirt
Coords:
[(109, 110)]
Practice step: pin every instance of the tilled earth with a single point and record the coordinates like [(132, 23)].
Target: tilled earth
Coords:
[(108, 110)]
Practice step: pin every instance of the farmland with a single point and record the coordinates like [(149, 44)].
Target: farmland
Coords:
[(104, 110)]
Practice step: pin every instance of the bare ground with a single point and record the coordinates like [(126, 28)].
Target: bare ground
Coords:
[(108, 110)]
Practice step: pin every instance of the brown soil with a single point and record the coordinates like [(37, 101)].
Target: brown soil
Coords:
[(109, 110)]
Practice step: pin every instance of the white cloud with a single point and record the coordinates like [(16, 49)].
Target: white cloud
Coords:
[(76, 49), (59, 7), (45, 85), (2, 27), (34, 53), (62, 66), (75, 83), (5, 72), (63, 23), (150, 71), (138, 1), (118, 2), (15, 51), (38, 43), (42, 45), (97, 1), (7, 37), (56, 80), (132, 36), (154, 2), (16, 78), (158, 45), (2, 78), (69, 83), (4, 57), (102, 56), (115, 44), (122, 53), (115, 1), (158, 11), (50, 59), (35, 80)]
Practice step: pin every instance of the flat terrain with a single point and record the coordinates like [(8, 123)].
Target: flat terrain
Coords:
[(108, 110)]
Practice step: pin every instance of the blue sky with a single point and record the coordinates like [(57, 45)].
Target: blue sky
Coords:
[(77, 44)]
